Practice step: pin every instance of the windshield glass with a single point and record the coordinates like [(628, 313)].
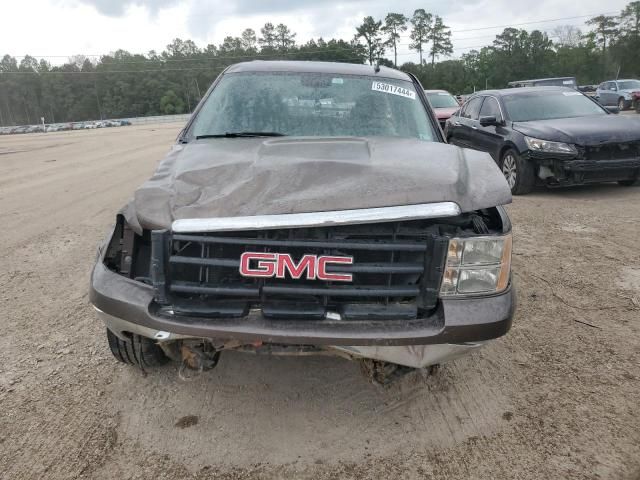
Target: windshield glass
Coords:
[(442, 100), (313, 104), (550, 105), (629, 84)]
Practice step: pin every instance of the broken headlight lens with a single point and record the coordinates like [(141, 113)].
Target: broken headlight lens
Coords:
[(477, 265), (538, 145)]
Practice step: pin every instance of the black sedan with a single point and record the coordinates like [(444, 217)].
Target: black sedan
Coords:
[(550, 136)]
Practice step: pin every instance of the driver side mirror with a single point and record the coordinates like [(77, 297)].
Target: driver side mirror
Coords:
[(488, 121)]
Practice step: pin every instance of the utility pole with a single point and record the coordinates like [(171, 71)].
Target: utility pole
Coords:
[(95, 84)]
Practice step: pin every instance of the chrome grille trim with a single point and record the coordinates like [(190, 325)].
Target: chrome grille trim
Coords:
[(317, 219)]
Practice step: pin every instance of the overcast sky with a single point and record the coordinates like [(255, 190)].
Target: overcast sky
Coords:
[(61, 28)]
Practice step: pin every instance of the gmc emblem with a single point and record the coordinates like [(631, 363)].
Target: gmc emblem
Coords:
[(269, 265)]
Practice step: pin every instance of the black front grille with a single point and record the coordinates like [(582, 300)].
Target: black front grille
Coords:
[(613, 151), (396, 272)]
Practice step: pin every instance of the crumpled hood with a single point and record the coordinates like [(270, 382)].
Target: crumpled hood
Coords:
[(257, 176), (587, 131)]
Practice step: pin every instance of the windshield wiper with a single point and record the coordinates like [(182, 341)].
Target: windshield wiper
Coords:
[(241, 135)]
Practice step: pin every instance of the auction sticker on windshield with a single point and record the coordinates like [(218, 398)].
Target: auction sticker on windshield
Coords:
[(393, 89)]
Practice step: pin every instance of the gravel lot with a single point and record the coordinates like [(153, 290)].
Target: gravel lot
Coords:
[(558, 397)]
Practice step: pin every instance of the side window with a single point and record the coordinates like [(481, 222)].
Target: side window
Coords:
[(612, 86), (490, 108), (602, 86), (472, 108), (462, 113)]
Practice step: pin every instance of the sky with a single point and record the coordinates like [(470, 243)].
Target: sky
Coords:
[(58, 29)]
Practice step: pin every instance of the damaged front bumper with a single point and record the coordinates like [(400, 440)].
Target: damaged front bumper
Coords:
[(456, 327), (575, 171)]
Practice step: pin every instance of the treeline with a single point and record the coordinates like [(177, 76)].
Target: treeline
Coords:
[(123, 84)]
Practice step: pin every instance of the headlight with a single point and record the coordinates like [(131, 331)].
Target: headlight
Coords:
[(477, 265), (538, 145)]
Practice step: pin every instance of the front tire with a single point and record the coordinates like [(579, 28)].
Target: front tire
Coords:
[(518, 172), (622, 105), (139, 351)]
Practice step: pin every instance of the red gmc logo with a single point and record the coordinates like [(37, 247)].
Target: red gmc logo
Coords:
[(312, 267)]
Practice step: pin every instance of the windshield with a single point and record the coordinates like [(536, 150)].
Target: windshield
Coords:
[(442, 100), (313, 104), (629, 84), (550, 105)]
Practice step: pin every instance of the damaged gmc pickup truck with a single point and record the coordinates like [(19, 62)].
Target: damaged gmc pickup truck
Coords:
[(310, 208)]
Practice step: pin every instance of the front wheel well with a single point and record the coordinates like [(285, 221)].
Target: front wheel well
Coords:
[(503, 150)]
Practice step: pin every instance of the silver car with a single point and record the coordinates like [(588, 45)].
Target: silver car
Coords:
[(618, 93)]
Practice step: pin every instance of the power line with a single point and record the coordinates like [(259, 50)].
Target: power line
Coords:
[(453, 32), (531, 23), (107, 72), (201, 58), (276, 56)]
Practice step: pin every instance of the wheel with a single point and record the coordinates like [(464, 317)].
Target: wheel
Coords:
[(622, 105), (519, 173), (629, 183), (139, 351)]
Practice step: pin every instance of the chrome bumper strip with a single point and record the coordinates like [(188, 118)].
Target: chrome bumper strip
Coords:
[(317, 219)]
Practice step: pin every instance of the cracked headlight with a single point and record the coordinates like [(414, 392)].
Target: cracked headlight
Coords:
[(477, 265), (546, 146)]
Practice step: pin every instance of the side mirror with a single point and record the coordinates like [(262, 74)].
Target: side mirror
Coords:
[(614, 110), (488, 121)]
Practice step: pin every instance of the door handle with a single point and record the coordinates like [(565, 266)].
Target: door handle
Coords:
[(457, 124), (474, 128)]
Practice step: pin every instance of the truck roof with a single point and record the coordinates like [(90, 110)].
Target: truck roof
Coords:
[(317, 67)]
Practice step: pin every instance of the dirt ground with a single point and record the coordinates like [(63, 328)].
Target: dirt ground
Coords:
[(558, 397)]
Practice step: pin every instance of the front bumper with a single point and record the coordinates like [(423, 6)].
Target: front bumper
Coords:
[(568, 171), (128, 306), (601, 165)]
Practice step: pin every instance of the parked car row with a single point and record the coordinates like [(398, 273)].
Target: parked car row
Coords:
[(58, 127)]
